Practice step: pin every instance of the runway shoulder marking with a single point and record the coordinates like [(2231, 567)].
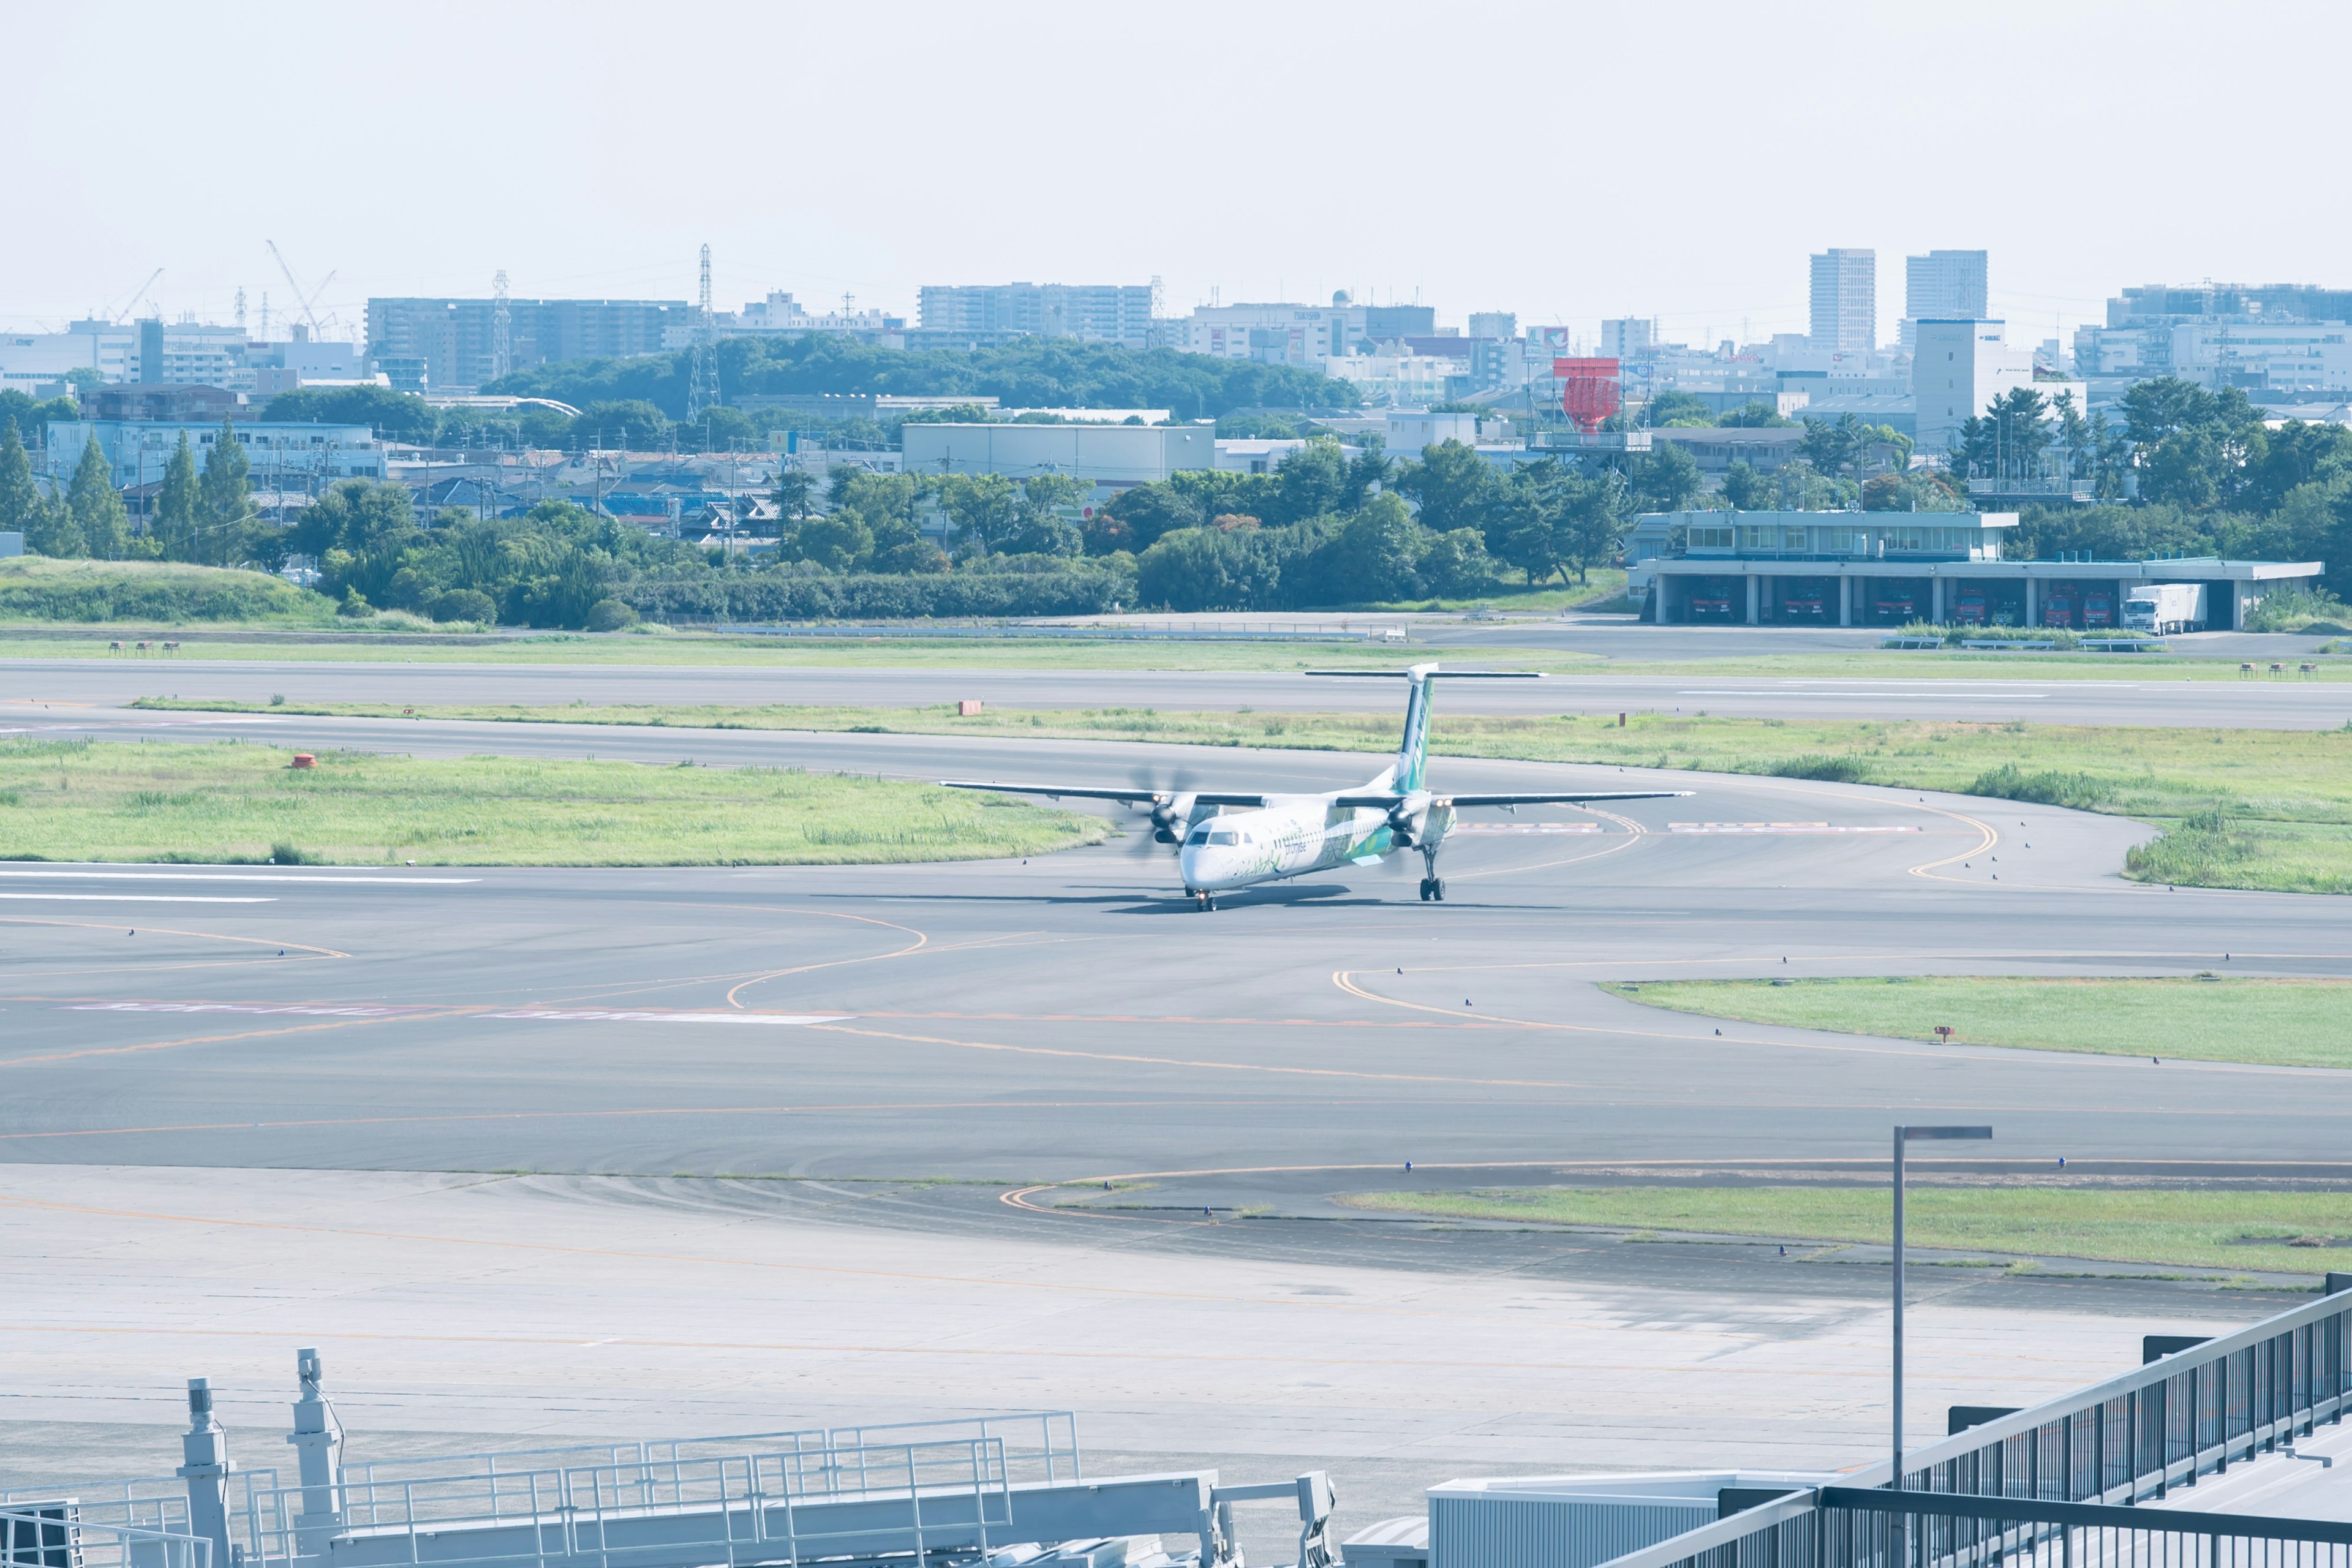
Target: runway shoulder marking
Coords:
[(141, 897), (311, 880), (1784, 828), (602, 1015), (1547, 828)]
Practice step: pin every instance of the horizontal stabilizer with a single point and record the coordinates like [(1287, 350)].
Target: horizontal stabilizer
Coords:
[(1433, 669)]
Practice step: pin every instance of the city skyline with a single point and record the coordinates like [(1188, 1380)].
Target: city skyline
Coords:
[(817, 192)]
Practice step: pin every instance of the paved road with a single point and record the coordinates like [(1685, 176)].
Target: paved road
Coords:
[(2121, 698)]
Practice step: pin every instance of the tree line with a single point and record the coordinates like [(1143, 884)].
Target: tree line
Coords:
[(205, 518)]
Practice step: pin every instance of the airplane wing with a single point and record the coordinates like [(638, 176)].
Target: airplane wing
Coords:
[(1083, 792), (1385, 801)]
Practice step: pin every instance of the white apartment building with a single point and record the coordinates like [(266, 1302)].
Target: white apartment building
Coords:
[(1395, 380), (780, 312), (279, 456), (2257, 354), (1272, 333), (1956, 368)]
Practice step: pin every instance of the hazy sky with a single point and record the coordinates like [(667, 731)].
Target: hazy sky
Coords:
[(1567, 161)]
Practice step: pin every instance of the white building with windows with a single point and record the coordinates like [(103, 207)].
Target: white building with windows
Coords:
[(1956, 368), (1844, 300), (278, 456), (1943, 285)]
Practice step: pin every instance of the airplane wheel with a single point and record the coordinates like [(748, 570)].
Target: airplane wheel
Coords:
[(1209, 903), (1425, 890), (1437, 889)]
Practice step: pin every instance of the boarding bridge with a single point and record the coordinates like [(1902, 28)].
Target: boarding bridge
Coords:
[(995, 1492)]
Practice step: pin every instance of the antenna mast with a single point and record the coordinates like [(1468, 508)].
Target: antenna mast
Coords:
[(702, 390)]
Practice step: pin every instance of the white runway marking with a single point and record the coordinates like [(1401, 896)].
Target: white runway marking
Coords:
[(1866, 696), (1780, 827), (1524, 827), (314, 879), (140, 898), (598, 1015), (298, 1009)]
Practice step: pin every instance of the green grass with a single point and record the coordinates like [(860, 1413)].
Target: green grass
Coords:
[(1603, 584), (2291, 1023), (154, 593), (2284, 795), (79, 800), (2209, 1228)]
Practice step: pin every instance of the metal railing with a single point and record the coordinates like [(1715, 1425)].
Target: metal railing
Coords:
[(748, 1507), (2052, 1486), (155, 1504), (54, 1534)]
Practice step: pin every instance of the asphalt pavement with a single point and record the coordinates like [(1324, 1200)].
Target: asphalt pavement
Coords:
[(2117, 695)]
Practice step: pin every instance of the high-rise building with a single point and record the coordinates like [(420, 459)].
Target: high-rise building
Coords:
[(1958, 367), (1845, 300), (454, 343), (1494, 324), (1628, 337), (1943, 285), (1092, 313)]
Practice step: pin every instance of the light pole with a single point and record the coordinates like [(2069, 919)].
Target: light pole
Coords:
[(1903, 1135)]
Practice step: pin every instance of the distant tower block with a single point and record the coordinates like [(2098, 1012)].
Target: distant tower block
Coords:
[(501, 327)]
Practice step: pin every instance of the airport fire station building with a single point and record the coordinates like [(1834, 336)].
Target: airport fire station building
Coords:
[(1888, 568)]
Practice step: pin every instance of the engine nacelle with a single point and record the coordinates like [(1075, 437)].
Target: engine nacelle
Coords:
[(1172, 816), (1409, 821)]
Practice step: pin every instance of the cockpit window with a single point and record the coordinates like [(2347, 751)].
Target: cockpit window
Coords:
[(1224, 838), (1199, 836)]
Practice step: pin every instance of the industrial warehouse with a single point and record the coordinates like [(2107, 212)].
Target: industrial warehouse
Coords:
[(1890, 569)]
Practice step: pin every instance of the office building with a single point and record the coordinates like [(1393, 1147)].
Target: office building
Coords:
[(781, 314), (1101, 313), (2280, 343), (1494, 324), (279, 456), (1844, 297), (452, 345), (1958, 367), (1272, 332), (1628, 337), (1947, 285)]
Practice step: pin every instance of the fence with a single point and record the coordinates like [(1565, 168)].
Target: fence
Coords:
[(2052, 1486), (51, 1535)]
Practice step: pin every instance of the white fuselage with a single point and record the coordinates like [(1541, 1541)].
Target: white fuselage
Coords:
[(1296, 835)]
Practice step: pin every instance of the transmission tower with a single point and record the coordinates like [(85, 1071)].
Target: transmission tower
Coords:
[(501, 327), (702, 391), (240, 307)]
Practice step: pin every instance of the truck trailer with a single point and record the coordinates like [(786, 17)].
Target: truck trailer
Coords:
[(2163, 608)]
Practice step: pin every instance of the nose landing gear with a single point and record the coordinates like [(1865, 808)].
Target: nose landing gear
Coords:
[(1204, 902)]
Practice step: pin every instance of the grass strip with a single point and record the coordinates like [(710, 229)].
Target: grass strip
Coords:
[(2289, 1231), (232, 803), (2282, 1023), (2282, 798)]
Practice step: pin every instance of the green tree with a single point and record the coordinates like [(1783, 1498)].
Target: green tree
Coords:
[(625, 423), (1312, 481), (22, 509), (1374, 557), (224, 499), (1041, 523), (95, 506), (392, 416), (1453, 484), (795, 497), (174, 525), (1530, 530), (1757, 415), (1664, 479), (1676, 411), (1595, 531), (981, 508), (1747, 488)]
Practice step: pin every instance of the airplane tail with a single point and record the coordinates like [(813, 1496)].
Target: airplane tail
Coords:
[(1405, 774)]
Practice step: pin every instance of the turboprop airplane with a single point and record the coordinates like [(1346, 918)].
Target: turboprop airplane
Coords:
[(1229, 839)]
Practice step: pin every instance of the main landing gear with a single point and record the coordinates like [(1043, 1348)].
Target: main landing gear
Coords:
[(1433, 885), (1203, 901)]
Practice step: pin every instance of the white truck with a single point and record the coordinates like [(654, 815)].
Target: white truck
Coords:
[(2162, 608)]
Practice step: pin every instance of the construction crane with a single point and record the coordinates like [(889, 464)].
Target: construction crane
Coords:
[(124, 315), (300, 298)]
